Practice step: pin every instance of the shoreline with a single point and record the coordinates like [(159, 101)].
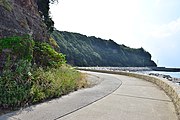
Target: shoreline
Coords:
[(168, 77), (135, 69), (142, 70)]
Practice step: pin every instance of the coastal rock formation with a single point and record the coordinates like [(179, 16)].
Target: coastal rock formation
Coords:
[(21, 17)]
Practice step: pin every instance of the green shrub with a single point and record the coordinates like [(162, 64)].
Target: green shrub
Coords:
[(15, 85), (45, 55), (53, 43), (15, 81), (17, 47)]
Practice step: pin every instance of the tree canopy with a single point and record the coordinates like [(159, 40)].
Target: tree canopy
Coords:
[(43, 7)]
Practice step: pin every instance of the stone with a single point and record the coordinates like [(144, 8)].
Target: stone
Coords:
[(21, 17)]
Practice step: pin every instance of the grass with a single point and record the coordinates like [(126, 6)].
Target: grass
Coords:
[(55, 82), (51, 83)]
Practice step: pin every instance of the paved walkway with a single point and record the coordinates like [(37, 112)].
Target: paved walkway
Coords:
[(116, 97)]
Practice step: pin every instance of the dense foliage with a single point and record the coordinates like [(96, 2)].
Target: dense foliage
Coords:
[(81, 50), (15, 44), (44, 55), (32, 72), (15, 81), (43, 7)]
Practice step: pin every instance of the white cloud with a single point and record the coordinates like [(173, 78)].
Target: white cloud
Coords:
[(166, 30)]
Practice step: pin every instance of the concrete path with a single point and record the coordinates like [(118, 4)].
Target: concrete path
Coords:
[(114, 98)]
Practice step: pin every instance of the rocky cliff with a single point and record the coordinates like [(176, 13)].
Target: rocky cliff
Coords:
[(21, 17)]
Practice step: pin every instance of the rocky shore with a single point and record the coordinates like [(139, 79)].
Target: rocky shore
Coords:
[(168, 77), (127, 69), (144, 70)]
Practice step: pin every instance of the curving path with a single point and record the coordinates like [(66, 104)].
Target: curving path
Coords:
[(135, 99), (115, 97)]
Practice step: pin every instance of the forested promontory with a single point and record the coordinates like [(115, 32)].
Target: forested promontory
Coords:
[(82, 50)]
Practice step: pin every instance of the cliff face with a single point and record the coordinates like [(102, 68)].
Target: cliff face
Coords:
[(21, 17)]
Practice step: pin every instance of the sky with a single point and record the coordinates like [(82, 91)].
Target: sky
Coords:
[(151, 24)]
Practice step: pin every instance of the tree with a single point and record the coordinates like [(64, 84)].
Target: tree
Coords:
[(43, 7)]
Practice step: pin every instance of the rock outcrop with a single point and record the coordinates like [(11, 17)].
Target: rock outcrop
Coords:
[(21, 17)]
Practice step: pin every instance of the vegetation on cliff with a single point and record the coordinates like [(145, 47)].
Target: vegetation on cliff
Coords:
[(43, 6), (81, 50), (32, 72)]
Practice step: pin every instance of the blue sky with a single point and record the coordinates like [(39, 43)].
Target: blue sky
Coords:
[(151, 24)]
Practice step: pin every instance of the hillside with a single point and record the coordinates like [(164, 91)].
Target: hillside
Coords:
[(81, 50)]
